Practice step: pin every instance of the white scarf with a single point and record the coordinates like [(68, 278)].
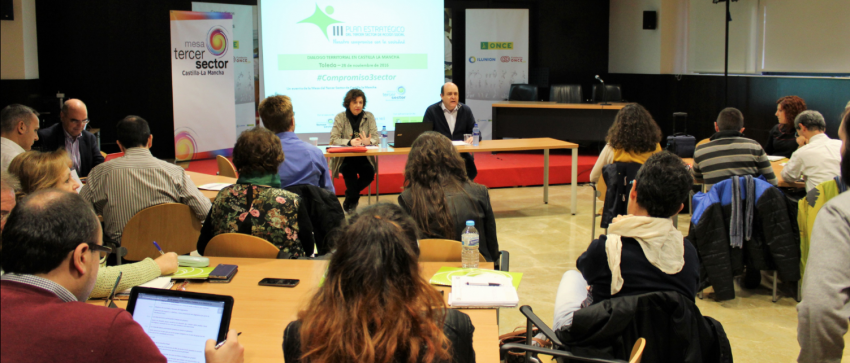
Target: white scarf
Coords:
[(662, 244)]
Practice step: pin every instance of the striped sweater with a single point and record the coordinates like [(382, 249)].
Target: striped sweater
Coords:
[(728, 154)]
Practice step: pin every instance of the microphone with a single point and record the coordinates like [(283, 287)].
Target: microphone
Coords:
[(604, 92), (599, 79)]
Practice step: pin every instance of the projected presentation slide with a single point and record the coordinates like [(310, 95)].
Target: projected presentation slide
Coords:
[(314, 52)]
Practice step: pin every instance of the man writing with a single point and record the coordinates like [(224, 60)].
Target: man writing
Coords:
[(819, 158), (18, 131), (52, 247), (453, 119), (70, 133)]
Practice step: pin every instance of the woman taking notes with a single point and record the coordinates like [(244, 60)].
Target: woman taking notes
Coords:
[(374, 305), (354, 127), (42, 170)]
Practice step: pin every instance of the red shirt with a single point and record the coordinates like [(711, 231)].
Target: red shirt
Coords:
[(37, 326)]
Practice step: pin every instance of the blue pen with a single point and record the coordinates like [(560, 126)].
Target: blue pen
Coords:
[(158, 248)]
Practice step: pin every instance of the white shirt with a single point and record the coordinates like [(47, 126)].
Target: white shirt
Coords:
[(451, 116), (818, 161), (8, 151)]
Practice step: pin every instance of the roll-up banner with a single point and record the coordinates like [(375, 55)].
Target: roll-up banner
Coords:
[(496, 57), (202, 84)]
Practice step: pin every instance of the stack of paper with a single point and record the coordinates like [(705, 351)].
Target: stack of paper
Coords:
[(482, 291), (162, 282), (443, 277), (775, 157), (214, 186)]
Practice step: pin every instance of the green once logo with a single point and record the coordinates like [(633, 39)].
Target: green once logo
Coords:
[(497, 45), (484, 45), (321, 20)]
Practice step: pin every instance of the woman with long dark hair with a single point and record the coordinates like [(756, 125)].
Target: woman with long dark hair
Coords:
[(354, 127), (633, 137), (781, 140), (374, 305), (440, 197)]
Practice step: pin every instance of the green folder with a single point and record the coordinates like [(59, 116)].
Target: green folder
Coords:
[(192, 273), (443, 277)]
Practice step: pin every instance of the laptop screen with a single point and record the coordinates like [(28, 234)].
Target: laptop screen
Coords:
[(179, 326)]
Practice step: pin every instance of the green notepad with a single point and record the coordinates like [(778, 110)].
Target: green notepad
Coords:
[(443, 277), (192, 273)]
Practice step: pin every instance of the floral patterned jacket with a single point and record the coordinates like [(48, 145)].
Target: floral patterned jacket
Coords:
[(273, 216)]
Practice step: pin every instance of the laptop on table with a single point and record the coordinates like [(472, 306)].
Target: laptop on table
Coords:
[(407, 132)]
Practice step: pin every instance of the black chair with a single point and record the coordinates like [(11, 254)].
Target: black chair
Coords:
[(523, 92), (617, 177), (614, 93), (565, 93)]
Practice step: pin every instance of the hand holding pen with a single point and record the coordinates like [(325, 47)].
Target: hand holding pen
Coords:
[(167, 262), (228, 350)]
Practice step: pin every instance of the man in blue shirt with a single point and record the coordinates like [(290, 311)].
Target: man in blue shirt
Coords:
[(303, 163)]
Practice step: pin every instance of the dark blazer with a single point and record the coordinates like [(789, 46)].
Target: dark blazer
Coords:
[(463, 125), (53, 137), (324, 214), (457, 327), (472, 203)]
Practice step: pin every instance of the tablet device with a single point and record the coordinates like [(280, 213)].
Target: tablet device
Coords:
[(180, 322)]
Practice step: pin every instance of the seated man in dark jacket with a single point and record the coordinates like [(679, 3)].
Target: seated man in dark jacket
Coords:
[(643, 252), (71, 134)]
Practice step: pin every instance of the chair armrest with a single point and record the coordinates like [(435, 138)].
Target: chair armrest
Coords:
[(557, 353), (504, 265), (545, 329)]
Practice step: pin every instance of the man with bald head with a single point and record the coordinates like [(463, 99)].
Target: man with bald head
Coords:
[(70, 133), (453, 119)]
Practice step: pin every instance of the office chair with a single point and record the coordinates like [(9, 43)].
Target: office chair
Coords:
[(614, 93), (565, 93), (523, 92)]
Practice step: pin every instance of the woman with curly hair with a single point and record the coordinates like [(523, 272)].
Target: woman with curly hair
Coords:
[(374, 305), (781, 140), (440, 197), (256, 204), (633, 137), (354, 127)]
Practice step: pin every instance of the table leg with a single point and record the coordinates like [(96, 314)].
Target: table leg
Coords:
[(377, 182), (546, 176), (574, 180)]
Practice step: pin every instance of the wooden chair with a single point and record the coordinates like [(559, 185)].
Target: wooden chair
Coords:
[(441, 250), (637, 351), (174, 226), (103, 154), (225, 167), (240, 245), (703, 141)]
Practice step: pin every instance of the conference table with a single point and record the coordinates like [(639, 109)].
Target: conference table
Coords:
[(563, 121), (261, 313), (542, 143), (201, 179)]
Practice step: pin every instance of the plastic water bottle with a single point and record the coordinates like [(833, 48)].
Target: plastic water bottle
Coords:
[(469, 239), (384, 138), (476, 134)]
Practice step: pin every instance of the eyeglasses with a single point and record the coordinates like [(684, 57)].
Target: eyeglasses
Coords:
[(83, 122), (103, 250)]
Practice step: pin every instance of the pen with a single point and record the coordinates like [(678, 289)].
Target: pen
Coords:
[(483, 284), (183, 285), (219, 345), (158, 248)]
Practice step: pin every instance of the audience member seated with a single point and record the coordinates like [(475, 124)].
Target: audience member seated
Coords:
[(18, 131), (38, 170), (8, 186), (354, 127), (823, 315), (729, 153), (633, 137), (643, 252), (52, 248), (781, 141), (440, 197), (374, 305), (70, 133), (123, 187), (256, 205), (819, 158), (306, 164)]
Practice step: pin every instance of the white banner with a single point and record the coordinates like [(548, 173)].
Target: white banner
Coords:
[(202, 84), (496, 57), (243, 59)]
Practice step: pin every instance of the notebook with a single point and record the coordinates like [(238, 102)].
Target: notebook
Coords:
[(192, 273), (162, 282), (444, 275), (483, 291), (214, 186)]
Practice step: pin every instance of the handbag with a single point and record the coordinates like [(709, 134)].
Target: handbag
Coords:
[(519, 336)]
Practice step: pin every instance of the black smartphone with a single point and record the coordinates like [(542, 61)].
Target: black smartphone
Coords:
[(223, 281), (268, 281)]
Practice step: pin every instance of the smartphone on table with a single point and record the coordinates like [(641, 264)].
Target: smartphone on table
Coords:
[(269, 281)]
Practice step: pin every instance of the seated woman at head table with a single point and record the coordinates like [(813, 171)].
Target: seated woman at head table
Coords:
[(374, 306), (633, 137), (354, 127), (38, 170), (256, 205)]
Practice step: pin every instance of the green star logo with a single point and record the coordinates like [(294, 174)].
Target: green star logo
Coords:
[(321, 20)]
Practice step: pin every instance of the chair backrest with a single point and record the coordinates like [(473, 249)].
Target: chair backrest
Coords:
[(108, 157), (441, 250), (614, 93), (240, 245), (637, 351), (173, 226), (703, 141), (617, 176), (565, 93), (523, 92), (225, 167), (103, 154)]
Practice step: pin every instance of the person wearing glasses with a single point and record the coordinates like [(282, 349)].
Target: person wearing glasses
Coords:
[(70, 133), (52, 248), (819, 158), (38, 170)]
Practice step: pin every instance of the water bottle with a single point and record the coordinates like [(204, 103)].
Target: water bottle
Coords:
[(476, 134), (469, 239), (384, 138)]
